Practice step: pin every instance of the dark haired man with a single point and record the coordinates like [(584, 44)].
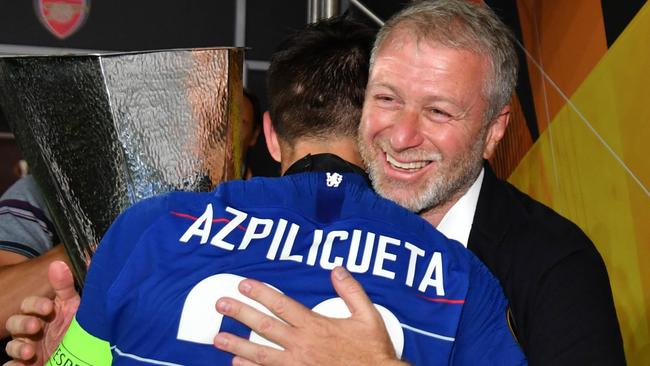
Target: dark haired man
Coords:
[(151, 290)]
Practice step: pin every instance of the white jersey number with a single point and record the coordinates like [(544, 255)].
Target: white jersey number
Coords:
[(200, 322)]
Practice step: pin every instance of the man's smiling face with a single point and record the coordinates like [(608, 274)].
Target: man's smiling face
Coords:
[(423, 134)]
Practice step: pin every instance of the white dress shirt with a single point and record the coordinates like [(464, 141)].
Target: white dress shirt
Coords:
[(457, 222)]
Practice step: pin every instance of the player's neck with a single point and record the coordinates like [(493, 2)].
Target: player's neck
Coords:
[(345, 148)]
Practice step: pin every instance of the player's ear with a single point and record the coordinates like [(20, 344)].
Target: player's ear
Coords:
[(496, 131), (271, 137)]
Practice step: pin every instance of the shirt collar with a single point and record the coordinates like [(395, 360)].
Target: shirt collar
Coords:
[(457, 222), (325, 163)]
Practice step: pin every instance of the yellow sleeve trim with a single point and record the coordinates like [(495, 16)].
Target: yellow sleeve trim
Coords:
[(81, 348)]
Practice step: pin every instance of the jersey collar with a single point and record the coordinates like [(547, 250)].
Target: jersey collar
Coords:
[(325, 163)]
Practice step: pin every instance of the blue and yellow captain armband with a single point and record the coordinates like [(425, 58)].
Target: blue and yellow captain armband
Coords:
[(81, 348)]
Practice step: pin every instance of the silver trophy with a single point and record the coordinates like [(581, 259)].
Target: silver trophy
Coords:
[(104, 131)]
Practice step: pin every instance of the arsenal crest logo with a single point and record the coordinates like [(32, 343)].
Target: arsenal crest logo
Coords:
[(62, 17)]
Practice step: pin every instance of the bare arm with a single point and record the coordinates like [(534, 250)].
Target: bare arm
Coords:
[(21, 277)]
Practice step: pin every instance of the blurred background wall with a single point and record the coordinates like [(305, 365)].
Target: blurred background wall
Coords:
[(579, 142)]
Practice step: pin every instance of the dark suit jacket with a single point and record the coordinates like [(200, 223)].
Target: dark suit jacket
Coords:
[(552, 275)]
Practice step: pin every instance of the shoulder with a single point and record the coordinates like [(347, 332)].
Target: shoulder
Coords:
[(542, 225), (144, 215), (150, 210), (23, 186), (25, 224), (146, 209), (148, 216), (519, 237), (255, 191), (25, 190), (507, 216)]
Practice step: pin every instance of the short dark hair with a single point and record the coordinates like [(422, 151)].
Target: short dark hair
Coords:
[(317, 80)]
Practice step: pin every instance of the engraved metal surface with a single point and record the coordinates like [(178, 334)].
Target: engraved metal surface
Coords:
[(102, 132)]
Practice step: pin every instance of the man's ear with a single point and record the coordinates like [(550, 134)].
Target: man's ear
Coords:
[(254, 136), (496, 130), (271, 137)]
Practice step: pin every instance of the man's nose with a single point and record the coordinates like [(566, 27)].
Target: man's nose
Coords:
[(406, 132)]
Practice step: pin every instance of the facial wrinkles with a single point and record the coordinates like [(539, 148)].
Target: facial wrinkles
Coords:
[(451, 75), (452, 174), (453, 177), (417, 79)]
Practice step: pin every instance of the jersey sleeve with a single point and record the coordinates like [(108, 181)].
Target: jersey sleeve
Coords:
[(109, 259), (484, 336)]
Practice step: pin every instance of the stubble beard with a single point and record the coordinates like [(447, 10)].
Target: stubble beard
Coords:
[(449, 181)]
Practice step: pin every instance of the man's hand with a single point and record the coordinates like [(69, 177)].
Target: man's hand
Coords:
[(308, 338), (40, 326)]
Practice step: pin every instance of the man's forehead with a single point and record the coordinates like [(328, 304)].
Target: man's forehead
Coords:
[(396, 40), (409, 51), (406, 35)]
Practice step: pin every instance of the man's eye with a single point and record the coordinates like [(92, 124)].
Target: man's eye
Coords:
[(439, 115), (384, 98), (439, 112)]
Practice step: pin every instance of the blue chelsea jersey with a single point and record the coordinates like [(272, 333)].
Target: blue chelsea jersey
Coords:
[(154, 281)]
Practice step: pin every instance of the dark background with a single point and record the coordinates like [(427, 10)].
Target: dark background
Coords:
[(121, 25)]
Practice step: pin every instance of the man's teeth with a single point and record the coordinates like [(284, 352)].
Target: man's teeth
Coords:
[(411, 166)]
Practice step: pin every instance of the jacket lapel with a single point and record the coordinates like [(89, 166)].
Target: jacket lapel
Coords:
[(493, 215)]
